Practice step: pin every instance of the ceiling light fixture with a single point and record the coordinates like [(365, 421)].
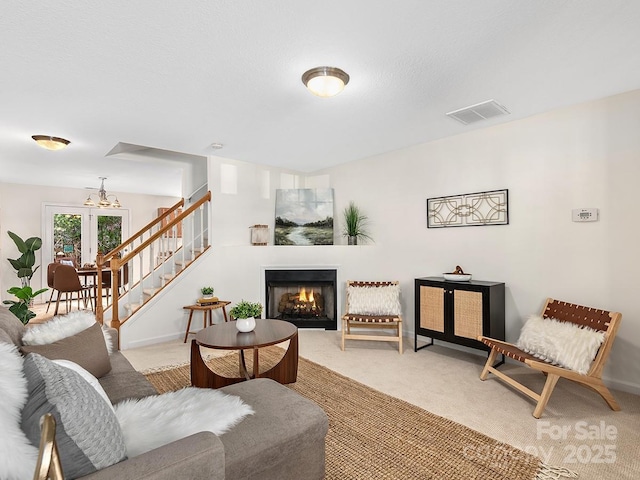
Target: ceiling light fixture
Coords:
[(103, 199), (325, 81), (50, 143)]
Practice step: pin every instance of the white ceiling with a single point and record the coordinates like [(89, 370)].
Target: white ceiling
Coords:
[(180, 75)]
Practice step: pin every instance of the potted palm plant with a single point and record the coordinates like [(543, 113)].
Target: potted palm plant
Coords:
[(355, 224), (24, 264), (245, 314)]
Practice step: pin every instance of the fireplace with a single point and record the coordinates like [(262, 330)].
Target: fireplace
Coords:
[(306, 298)]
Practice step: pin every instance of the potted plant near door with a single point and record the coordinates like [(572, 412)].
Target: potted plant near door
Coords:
[(245, 314), (24, 264), (355, 224)]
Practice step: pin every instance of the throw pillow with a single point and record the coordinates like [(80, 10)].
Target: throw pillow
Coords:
[(17, 455), (90, 379), (10, 324), (87, 432), (561, 343), (374, 300), (154, 421), (63, 326), (86, 348)]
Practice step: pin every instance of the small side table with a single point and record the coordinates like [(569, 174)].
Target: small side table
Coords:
[(207, 311)]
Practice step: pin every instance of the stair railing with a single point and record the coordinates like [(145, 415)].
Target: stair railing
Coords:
[(160, 234)]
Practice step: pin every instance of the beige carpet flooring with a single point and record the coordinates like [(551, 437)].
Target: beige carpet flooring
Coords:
[(577, 431)]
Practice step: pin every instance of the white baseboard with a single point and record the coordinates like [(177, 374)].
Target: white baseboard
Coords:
[(152, 341), (622, 385)]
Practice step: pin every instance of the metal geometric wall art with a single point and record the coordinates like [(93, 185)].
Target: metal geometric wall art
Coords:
[(471, 209)]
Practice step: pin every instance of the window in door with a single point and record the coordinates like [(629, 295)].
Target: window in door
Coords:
[(77, 234)]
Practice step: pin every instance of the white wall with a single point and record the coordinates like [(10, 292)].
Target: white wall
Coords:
[(21, 212), (583, 156)]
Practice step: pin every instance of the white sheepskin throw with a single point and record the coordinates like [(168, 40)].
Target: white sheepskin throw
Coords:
[(154, 421), (63, 326), (561, 343), (17, 455)]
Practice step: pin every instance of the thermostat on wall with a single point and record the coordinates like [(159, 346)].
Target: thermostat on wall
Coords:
[(584, 214)]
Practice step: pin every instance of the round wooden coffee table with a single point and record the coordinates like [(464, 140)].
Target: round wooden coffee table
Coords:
[(225, 336)]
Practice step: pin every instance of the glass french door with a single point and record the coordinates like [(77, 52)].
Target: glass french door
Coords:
[(78, 234)]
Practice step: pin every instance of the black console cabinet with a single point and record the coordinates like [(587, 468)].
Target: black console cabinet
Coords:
[(458, 312)]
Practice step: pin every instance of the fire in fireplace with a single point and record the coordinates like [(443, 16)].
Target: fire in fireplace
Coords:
[(306, 298)]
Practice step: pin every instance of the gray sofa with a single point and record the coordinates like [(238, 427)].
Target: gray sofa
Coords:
[(283, 439)]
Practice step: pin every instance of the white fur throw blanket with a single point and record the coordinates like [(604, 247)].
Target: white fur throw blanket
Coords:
[(154, 421), (560, 343)]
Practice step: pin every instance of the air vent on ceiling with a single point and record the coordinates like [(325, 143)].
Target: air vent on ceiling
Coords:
[(479, 111)]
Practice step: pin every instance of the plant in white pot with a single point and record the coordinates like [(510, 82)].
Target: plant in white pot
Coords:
[(245, 314)]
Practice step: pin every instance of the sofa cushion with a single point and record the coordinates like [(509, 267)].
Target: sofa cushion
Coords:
[(123, 382), (11, 326), (88, 435), (86, 348), (284, 421)]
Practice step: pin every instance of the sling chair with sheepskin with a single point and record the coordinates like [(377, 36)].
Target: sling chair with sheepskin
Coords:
[(579, 316)]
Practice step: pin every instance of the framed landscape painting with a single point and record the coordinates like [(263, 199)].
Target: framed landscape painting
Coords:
[(304, 216)]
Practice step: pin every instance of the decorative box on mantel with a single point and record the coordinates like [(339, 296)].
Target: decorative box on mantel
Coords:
[(259, 234), (458, 312)]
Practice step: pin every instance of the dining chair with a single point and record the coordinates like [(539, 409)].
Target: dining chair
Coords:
[(51, 268), (67, 281)]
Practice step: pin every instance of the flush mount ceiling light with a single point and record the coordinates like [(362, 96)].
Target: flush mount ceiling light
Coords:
[(103, 199), (325, 81), (50, 143)]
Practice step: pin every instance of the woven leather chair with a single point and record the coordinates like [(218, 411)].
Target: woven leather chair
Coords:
[(355, 318), (66, 280), (604, 321)]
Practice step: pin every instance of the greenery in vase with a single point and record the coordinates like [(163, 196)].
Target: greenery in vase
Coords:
[(21, 308), (24, 264), (207, 290), (245, 309), (355, 222)]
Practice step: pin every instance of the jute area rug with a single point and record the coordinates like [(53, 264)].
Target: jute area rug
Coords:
[(375, 436)]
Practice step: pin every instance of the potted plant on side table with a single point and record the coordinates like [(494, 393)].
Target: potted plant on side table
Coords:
[(245, 314)]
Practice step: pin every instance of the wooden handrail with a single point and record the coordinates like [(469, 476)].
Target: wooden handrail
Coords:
[(116, 262), (148, 226), (166, 228)]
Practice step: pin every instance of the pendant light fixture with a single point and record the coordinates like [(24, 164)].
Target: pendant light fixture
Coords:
[(325, 81), (103, 199), (51, 143)]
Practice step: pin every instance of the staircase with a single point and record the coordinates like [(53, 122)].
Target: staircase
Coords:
[(144, 265)]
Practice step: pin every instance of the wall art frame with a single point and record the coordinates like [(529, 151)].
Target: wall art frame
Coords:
[(469, 209), (304, 216)]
